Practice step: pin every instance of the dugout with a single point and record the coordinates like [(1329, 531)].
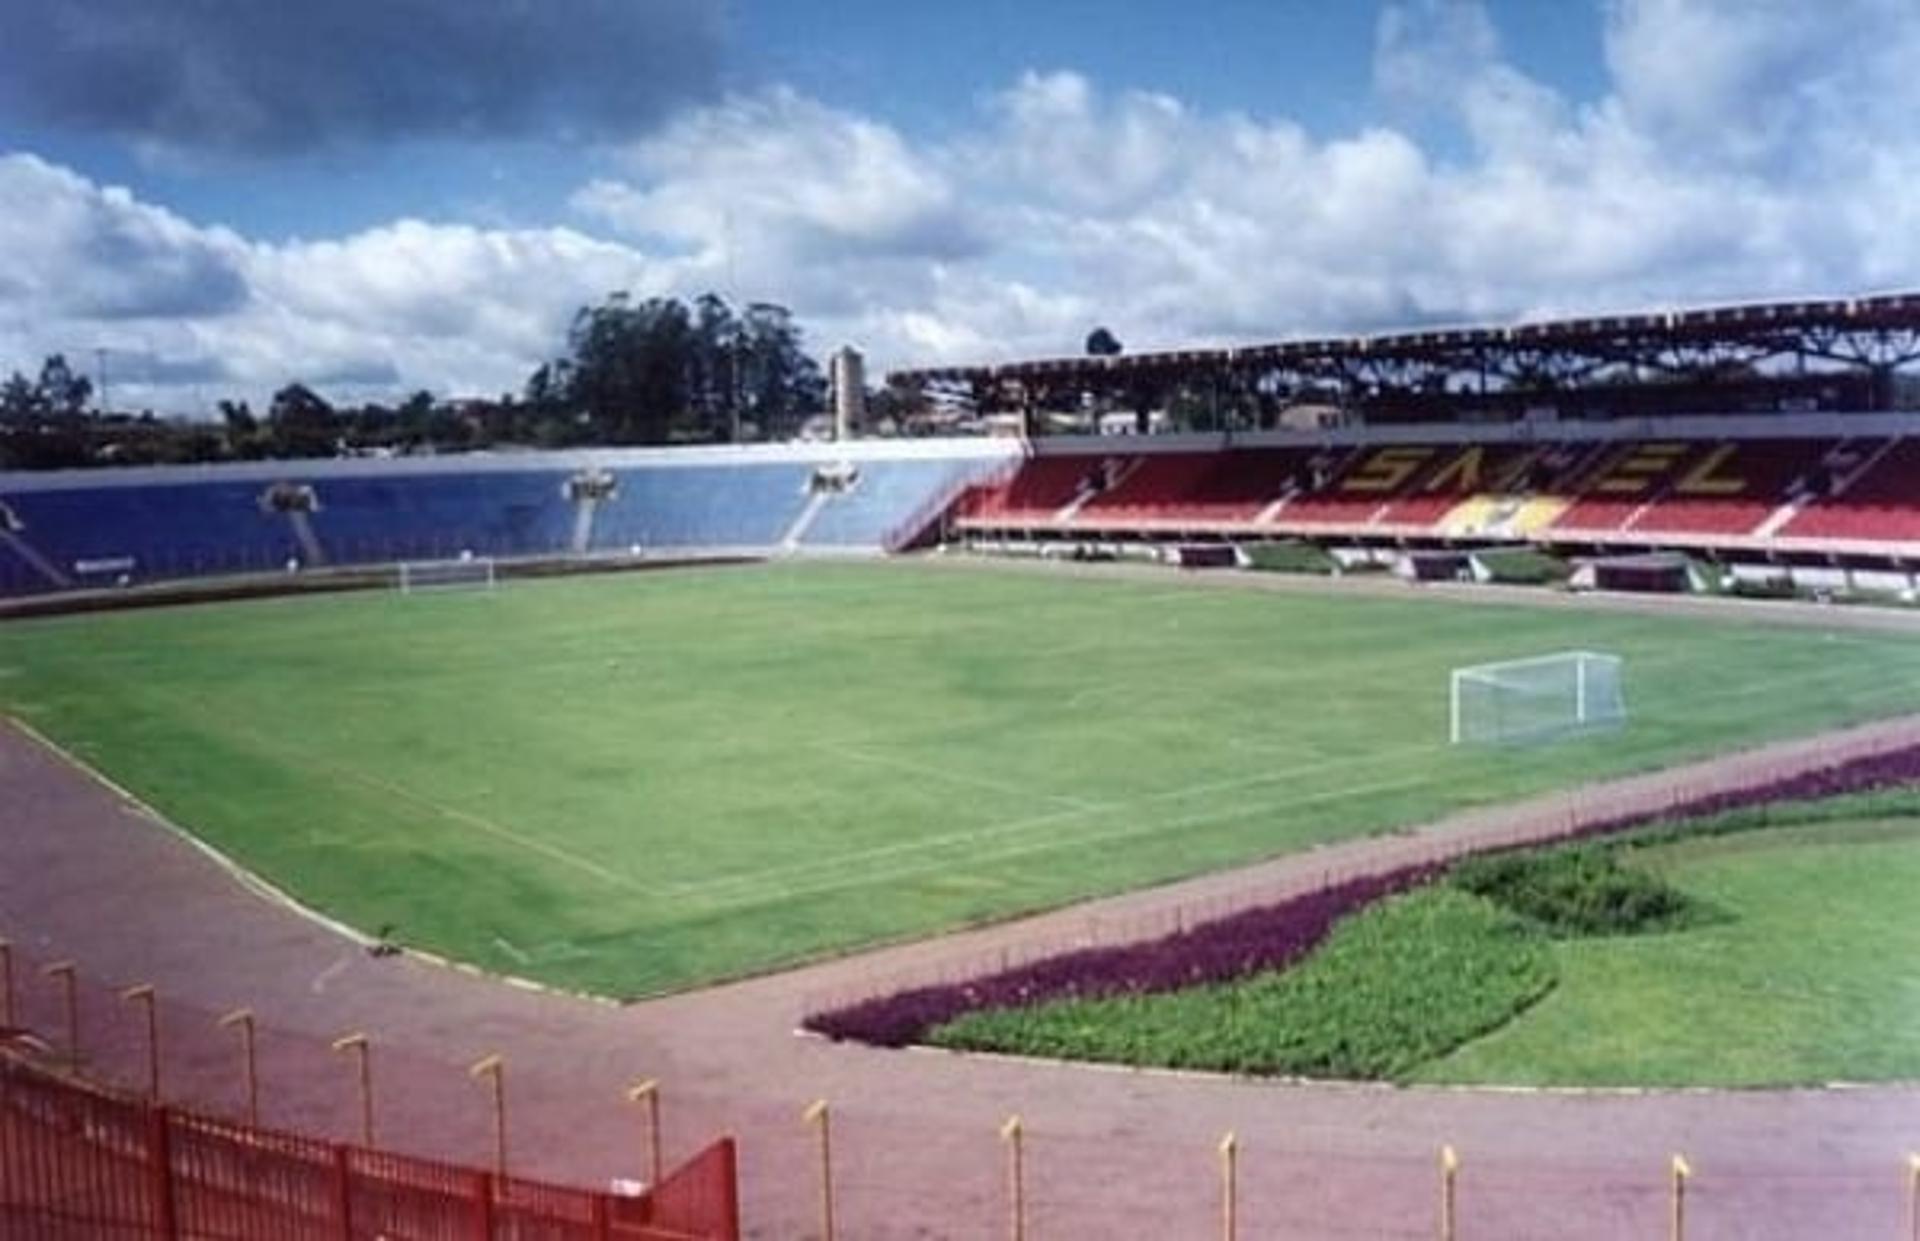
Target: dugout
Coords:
[(1426, 566), (1650, 572)]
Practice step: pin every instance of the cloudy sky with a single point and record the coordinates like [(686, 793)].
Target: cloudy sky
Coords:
[(379, 195)]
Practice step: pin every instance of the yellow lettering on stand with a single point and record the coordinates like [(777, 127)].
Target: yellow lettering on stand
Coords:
[(1460, 474), (1386, 469), (1635, 473), (1704, 479)]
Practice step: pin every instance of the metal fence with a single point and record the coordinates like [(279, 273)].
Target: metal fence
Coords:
[(77, 1162)]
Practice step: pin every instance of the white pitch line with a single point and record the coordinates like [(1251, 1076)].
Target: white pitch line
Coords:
[(313, 762), (932, 772), (500, 831), (1050, 843), (749, 889), (839, 860)]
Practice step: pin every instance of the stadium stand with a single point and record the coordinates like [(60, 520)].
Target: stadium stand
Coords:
[(371, 520), (106, 528), (882, 501), (1697, 486), (153, 531), (1042, 487), (1879, 501), (1732, 488), (702, 507)]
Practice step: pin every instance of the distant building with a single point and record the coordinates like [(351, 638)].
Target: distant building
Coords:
[(847, 376)]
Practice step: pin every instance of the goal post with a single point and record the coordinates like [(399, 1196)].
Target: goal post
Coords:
[(465, 573), (1536, 698)]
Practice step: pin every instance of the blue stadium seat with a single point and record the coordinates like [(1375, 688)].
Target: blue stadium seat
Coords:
[(427, 516), (167, 531), (703, 506), (888, 494)]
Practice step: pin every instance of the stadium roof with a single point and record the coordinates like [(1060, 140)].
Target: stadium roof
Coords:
[(1879, 332)]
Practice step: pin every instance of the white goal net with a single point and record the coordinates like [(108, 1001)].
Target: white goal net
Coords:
[(1538, 698), (466, 573)]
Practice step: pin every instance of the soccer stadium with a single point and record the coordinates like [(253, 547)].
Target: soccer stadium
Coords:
[(1471, 796)]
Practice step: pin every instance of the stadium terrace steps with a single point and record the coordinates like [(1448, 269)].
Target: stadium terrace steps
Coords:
[(22, 567), (798, 530), (96, 528)]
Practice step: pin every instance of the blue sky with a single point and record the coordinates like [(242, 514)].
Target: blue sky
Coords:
[(376, 195)]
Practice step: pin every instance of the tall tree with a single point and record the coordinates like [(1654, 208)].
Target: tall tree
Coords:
[(783, 385), (21, 403), (1102, 344), (64, 391), (300, 423)]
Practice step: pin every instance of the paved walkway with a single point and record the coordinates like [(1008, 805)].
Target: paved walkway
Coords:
[(1111, 1153)]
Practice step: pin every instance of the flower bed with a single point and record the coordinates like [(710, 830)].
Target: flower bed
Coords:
[(1274, 936)]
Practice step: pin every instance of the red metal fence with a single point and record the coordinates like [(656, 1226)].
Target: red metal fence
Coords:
[(77, 1163)]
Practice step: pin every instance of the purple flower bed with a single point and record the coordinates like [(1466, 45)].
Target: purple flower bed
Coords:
[(1272, 936), (1861, 775)]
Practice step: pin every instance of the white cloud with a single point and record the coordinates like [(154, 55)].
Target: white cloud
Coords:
[(1741, 150), (783, 173), (456, 309)]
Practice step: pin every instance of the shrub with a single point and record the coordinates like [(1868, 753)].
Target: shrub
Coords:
[(1578, 891)]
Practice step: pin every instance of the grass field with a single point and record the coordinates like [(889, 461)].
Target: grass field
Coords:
[(637, 783), (1807, 978)]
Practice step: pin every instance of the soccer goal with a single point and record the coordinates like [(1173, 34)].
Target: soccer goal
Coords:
[(1533, 699), (466, 573)]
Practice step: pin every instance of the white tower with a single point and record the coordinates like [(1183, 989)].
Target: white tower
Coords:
[(847, 372)]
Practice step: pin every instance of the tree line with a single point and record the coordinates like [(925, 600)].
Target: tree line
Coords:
[(651, 371)]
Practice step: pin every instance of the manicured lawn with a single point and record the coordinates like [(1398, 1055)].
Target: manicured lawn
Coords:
[(1809, 976), (644, 782)]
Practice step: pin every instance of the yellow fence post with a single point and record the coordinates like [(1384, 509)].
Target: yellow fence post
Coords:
[(818, 1116), (1682, 1172), (65, 971), (249, 1065), (1913, 1197), (357, 1043), (144, 995), (1449, 1177), (495, 1067), (1229, 1187), (1013, 1133), (647, 1094)]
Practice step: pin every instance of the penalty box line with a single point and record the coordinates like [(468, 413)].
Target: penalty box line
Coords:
[(1049, 844), (802, 870)]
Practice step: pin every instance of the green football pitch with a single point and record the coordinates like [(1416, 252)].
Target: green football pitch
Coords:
[(636, 783)]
